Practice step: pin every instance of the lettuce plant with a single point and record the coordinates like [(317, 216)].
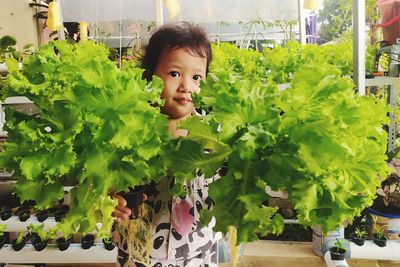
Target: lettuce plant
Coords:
[(98, 130), (318, 140)]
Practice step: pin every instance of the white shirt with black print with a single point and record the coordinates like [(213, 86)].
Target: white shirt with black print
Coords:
[(170, 248)]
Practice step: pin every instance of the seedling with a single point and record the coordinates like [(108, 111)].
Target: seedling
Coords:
[(378, 229), (339, 246), (360, 233)]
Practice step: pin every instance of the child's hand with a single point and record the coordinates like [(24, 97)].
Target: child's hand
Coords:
[(121, 212)]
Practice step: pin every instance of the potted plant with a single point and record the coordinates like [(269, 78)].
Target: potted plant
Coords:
[(87, 241), (60, 214), (379, 236), (337, 251), (134, 201), (24, 214), (39, 237), (62, 241), (5, 215), (18, 243), (2, 237), (108, 242), (359, 236), (42, 215), (8, 49)]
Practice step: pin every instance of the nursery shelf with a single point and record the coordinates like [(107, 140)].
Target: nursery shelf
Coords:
[(51, 254)]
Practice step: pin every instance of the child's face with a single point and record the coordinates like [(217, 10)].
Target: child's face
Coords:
[(181, 72)]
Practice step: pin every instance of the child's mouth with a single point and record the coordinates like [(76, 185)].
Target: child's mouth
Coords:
[(183, 100)]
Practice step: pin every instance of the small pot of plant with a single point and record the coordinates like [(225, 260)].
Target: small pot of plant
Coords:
[(3, 239), (59, 214), (108, 242), (134, 201), (63, 243), (39, 237), (24, 215), (379, 237), (5, 215), (337, 251), (359, 236), (18, 243), (87, 241), (42, 215)]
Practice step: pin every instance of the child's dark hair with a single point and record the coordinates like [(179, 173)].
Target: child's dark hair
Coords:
[(174, 36)]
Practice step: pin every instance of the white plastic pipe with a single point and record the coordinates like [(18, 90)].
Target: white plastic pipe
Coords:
[(369, 251), (51, 254), (331, 263)]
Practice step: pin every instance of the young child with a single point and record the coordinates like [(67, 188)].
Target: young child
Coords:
[(180, 55)]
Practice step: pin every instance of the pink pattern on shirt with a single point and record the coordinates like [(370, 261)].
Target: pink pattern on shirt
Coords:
[(181, 219)]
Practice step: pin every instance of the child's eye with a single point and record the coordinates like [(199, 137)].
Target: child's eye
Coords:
[(174, 74), (197, 77)]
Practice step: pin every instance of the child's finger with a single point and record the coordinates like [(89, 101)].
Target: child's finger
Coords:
[(121, 213), (121, 200)]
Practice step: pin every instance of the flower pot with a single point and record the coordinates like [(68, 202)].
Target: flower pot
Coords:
[(59, 214), (134, 201), (63, 244), (18, 246), (87, 241), (3, 240), (5, 215), (357, 241), (108, 245), (42, 215), (22, 208), (39, 244), (337, 254), (24, 215), (380, 242)]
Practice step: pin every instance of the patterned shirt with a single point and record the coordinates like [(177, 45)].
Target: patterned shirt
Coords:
[(179, 238)]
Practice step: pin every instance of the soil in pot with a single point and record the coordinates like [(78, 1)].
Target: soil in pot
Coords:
[(63, 244), (357, 241), (24, 215), (134, 201), (87, 241), (3, 240), (108, 244), (337, 254), (381, 242), (5, 215), (42, 215)]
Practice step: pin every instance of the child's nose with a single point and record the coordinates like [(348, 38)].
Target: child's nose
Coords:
[(187, 85)]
